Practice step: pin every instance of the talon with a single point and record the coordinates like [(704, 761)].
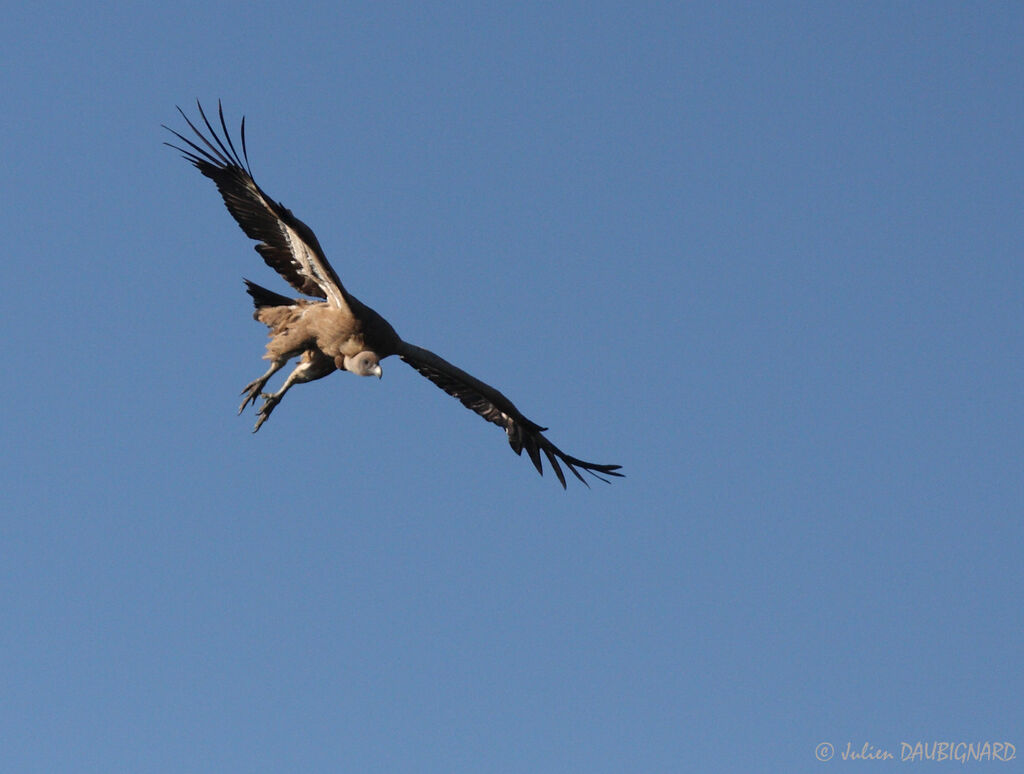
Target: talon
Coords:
[(251, 393), (269, 402)]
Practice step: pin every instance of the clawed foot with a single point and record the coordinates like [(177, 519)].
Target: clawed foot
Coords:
[(269, 402), (251, 392)]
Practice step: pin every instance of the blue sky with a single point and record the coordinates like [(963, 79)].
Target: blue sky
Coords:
[(766, 257)]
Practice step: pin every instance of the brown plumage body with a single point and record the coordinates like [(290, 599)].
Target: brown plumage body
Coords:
[(339, 332), (311, 324), (324, 337)]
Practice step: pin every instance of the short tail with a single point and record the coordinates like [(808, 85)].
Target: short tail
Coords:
[(261, 297)]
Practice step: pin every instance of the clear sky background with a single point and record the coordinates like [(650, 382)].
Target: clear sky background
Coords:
[(768, 258)]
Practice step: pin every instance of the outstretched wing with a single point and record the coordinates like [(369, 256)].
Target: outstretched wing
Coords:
[(287, 244), (495, 407)]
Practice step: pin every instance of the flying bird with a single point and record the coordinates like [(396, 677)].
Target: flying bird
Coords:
[(332, 330)]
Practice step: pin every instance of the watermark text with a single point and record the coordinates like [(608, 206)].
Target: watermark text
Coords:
[(939, 752)]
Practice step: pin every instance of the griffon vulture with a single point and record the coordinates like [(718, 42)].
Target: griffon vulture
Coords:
[(334, 330)]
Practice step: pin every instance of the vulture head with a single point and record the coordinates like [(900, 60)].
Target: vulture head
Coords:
[(364, 364)]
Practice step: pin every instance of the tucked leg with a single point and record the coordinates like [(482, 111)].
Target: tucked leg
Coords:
[(254, 388), (314, 365)]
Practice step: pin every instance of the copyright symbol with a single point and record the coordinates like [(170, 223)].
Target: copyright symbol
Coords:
[(824, 751)]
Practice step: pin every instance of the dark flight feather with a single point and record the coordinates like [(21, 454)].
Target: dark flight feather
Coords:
[(287, 244), (493, 406)]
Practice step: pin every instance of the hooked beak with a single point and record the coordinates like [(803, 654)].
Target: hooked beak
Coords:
[(378, 371)]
